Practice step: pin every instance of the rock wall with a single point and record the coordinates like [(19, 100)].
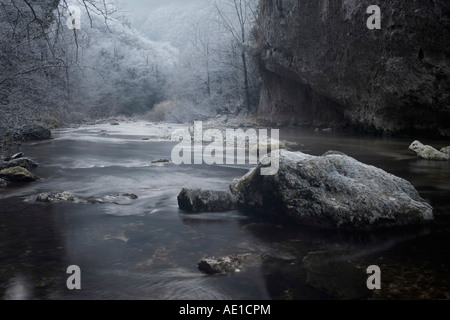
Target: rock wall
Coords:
[(321, 66)]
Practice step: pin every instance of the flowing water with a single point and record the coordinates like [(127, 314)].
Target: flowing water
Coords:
[(148, 249)]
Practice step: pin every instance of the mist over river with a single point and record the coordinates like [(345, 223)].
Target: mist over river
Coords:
[(148, 249)]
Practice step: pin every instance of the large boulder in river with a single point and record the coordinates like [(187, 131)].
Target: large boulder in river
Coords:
[(333, 190), (428, 152), (32, 132), (197, 200), (18, 174)]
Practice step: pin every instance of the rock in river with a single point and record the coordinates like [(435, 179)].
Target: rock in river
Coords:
[(56, 197), (17, 156), (337, 277), (197, 200), (26, 163), (18, 174), (224, 265), (33, 132), (3, 183), (160, 161), (119, 199), (446, 150), (428, 152), (333, 190)]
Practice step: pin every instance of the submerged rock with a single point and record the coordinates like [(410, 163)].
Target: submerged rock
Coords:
[(130, 196), (160, 161), (197, 200), (33, 132), (334, 191), (3, 183), (119, 199), (428, 152), (56, 197), (26, 163), (18, 174), (338, 278), (224, 265)]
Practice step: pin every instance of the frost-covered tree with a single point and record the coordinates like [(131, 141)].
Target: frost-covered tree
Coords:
[(210, 72), (238, 17), (51, 73), (121, 71)]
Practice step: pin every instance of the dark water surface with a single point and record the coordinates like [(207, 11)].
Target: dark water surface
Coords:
[(148, 249)]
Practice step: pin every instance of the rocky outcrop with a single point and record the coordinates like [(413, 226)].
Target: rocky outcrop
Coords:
[(18, 174), (428, 152), (197, 200), (332, 191), (56, 197), (322, 67), (32, 132)]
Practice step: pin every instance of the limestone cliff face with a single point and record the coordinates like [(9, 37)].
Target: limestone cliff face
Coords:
[(322, 66)]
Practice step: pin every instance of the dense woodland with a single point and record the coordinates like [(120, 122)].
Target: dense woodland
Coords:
[(181, 65)]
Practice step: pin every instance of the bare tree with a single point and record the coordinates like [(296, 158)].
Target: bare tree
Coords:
[(202, 43), (237, 17), (36, 55)]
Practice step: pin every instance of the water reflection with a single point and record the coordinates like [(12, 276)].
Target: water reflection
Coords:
[(147, 249), (18, 288)]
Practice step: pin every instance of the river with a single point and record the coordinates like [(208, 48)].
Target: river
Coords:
[(148, 249)]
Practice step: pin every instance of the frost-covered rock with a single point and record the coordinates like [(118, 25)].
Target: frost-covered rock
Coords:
[(225, 265), (446, 150), (197, 200), (56, 197), (18, 174), (17, 156), (333, 190), (26, 163), (428, 152)]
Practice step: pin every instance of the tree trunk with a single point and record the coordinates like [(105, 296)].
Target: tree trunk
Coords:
[(246, 83)]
